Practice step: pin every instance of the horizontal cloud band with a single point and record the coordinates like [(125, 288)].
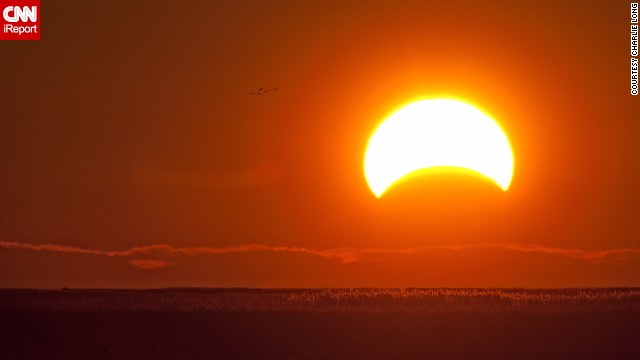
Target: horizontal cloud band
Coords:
[(344, 255)]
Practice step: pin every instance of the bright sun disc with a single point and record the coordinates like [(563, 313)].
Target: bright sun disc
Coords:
[(439, 132)]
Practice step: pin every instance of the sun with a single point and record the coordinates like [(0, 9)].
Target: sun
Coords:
[(433, 133)]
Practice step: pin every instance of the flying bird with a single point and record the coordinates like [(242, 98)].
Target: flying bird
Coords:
[(262, 91)]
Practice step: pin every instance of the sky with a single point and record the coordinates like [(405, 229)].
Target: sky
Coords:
[(133, 155)]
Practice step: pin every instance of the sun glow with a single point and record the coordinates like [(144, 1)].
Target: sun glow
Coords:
[(438, 132)]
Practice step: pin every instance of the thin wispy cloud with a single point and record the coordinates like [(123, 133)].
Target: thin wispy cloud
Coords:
[(343, 255), (148, 264)]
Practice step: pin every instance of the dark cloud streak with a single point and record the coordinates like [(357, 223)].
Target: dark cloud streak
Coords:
[(343, 255)]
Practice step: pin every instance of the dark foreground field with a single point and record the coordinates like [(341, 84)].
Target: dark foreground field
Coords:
[(320, 324)]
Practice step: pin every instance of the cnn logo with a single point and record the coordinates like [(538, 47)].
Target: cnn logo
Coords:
[(15, 13), (20, 20)]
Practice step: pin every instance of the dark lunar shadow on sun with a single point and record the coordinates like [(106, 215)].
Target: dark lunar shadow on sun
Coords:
[(445, 191)]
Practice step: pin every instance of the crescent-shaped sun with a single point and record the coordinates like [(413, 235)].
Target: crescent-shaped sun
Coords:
[(437, 132)]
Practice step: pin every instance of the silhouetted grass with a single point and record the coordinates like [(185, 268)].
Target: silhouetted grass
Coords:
[(323, 300), (320, 324)]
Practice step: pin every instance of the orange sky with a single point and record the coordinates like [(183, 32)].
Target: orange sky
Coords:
[(130, 126)]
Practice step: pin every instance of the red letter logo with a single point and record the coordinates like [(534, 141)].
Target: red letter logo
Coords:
[(20, 20)]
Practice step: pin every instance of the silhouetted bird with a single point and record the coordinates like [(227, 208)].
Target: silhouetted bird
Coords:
[(262, 91)]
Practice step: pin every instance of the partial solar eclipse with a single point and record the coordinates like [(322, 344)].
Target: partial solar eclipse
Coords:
[(432, 133)]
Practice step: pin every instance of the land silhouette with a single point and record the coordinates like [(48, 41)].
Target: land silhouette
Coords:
[(205, 323)]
